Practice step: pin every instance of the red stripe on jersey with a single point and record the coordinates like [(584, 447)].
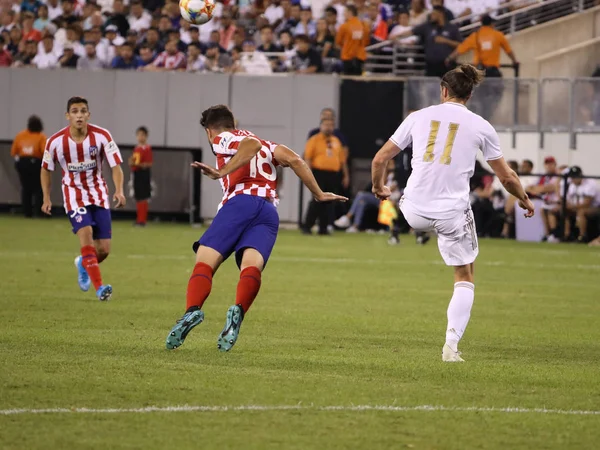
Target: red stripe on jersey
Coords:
[(102, 131), (217, 140), (78, 191), (234, 145), (66, 174), (97, 172)]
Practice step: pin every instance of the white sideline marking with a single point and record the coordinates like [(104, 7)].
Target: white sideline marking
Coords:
[(190, 257), (188, 408)]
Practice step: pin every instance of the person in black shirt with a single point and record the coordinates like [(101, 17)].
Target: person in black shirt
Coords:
[(324, 40), (69, 58), (306, 59), (195, 39), (268, 46), (174, 35)]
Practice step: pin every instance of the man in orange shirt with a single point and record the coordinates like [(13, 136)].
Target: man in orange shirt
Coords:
[(486, 44), (352, 38), (326, 157), (27, 151)]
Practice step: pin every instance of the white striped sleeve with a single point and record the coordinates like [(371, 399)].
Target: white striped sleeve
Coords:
[(111, 150), (49, 156)]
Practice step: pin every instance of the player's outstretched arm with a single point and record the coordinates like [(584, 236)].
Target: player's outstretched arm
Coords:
[(117, 176), (378, 169), (247, 150), (46, 181), (288, 158), (510, 181)]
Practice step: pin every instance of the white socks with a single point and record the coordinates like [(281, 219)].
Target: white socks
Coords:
[(459, 312)]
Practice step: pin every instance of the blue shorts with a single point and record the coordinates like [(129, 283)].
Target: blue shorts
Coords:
[(92, 216), (245, 221)]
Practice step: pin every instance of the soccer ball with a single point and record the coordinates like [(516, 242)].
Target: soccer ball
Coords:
[(197, 11)]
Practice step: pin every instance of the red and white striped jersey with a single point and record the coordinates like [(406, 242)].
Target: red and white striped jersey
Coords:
[(258, 177), (172, 62), (82, 181)]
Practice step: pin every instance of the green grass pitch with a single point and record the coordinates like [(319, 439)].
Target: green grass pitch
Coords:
[(345, 321)]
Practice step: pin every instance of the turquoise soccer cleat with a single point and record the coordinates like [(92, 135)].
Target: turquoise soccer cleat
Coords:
[(104, 292), (229, 335), (82, 276), (183, 326)]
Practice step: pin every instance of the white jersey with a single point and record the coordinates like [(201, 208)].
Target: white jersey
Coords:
[(81, 163), (445, 139)]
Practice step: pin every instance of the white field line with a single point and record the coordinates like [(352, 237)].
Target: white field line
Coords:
[(405, 262), (357, 408)]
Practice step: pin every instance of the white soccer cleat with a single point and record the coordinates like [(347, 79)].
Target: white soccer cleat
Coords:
[(342, 222), (449, 355)]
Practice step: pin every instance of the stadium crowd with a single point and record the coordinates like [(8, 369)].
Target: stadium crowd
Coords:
[(260, 36)]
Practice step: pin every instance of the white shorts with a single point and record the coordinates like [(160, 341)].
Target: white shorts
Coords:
[(457, 237)]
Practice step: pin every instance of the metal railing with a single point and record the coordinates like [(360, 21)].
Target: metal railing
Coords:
[(570, 105), (391, 56)]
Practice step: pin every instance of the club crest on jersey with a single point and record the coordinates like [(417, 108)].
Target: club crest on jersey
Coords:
[(93, 151), (78, 219)]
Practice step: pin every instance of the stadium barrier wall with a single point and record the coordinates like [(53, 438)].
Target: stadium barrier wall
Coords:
[(169, 104)]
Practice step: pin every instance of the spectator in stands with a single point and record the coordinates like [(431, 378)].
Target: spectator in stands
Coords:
[(274, 13), (68, 12), (324, 40), (352, 38), (294, 18), (307, 59), (146, 55), (73, 37), (5, 56), (526, 167), (31, 6), (8, 20), (25, 57), (175, 36), (139, 19), (54, 9), (27, 151), (132, 39), (418, 13), (126, 58), (164, 27), (215, 38), (195, 59), (153, 40), (268, 45), (42, 19), (325, 156), (227, 31), (439, 38), (91, 60), (69, 57), (47, 58), (583, 201), (15, 38), (252, 61), (170, 59), (403, 29), (378, 27), (547, 188), (215, 60), (118, 18), (30, 33), (174, 14), (306, 26), (331, 17), (486, 44)]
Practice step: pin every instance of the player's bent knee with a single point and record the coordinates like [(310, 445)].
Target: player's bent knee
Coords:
[(252, 258), (463, 273)]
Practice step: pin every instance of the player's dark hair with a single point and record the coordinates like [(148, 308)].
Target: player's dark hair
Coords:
[(461, 81), (34, 124), (143, 129), (331, 10), (353, 10), (75, 100), (218, 116)]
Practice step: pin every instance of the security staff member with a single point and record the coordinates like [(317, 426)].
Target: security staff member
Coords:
[(486, 44), (27, 151), (326, 157)]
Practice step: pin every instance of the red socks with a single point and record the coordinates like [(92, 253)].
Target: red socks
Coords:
[(248, 287), (199, 285), (142, 211), (90, 262)]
